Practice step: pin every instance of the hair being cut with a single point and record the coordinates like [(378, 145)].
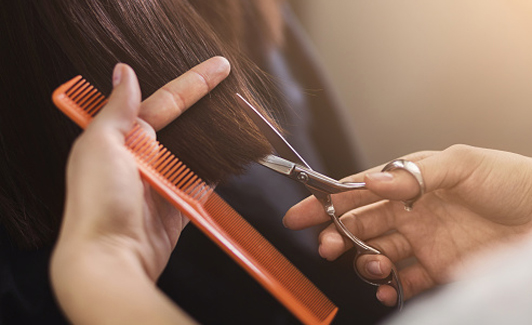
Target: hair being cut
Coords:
[(48, 42)]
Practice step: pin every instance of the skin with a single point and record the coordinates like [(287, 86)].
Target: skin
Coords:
[(117, 234), (475, 199)]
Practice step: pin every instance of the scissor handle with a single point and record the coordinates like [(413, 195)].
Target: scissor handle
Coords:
[(364, 249), (392, 280)]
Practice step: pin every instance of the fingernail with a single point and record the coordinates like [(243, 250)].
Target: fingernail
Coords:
[(117, 75), (223, 67), (382, 176), (374, 267)]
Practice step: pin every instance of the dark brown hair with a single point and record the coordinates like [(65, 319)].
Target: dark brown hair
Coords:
[(48, 42)]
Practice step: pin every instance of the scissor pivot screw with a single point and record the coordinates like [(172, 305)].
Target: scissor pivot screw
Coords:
[(303, 177)]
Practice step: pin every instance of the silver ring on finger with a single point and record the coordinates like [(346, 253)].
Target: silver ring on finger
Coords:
[(414, 170)]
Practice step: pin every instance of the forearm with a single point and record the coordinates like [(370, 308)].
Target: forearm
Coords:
[(96, 285)]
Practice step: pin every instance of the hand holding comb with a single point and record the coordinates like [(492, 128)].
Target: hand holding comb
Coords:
[(181, 187)]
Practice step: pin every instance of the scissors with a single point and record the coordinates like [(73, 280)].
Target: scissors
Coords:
[(288, 162)]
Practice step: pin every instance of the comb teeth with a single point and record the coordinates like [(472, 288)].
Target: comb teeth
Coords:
[(187, 192), (157, 157), (87, 97)]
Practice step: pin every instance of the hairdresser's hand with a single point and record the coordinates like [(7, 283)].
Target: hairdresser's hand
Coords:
[(117, 234), (474, 198)]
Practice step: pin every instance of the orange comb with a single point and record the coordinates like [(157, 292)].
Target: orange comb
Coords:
[(209, 212)]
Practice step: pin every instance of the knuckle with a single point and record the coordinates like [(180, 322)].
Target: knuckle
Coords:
[(175, 98), (467, 155), (204, 81), (459, 149), (353, 223), (408, 286), (419, 155)]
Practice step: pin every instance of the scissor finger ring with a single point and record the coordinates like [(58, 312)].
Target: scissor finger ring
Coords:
[(414, 170), (392, 280)]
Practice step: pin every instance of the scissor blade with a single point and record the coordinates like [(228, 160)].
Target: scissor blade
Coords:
[(278, 164), (278, 142), (318, 184)]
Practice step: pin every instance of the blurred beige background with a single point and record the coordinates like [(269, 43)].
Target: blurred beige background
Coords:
[(419, 74)]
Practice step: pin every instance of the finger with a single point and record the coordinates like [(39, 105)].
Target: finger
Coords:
[(373, 266), (394, 245), (448, 168), (414, 157), (332, 244), (310, 211), (387, 295), (398, 184), (364, 223), (148, 129), (121, 111), (306, 213), (440, 170), (175, 97), (395, 248), (414, 280)]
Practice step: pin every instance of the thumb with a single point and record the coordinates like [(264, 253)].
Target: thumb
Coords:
[(436, 170), (394, 185), (121, 112)]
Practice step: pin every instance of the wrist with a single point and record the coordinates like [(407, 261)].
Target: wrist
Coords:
[(112, 281), (115, 285), (80, 256)]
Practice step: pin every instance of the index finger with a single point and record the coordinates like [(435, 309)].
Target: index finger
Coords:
[(172, 99)]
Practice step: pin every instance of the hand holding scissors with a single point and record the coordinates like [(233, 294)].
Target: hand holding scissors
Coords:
[(288, 162)]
